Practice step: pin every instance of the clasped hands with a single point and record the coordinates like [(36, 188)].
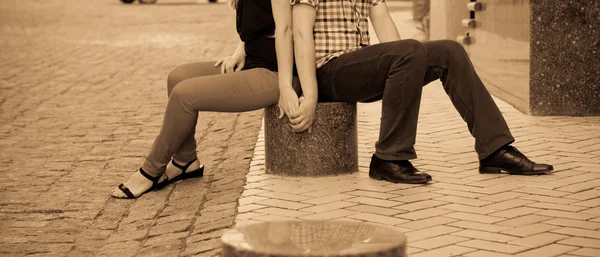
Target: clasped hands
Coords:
[(300, 111)]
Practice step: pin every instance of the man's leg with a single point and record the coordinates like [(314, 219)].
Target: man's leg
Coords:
[(448, 61), (392, 72)]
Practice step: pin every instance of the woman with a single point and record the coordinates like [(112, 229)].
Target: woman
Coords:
[(247, 80)]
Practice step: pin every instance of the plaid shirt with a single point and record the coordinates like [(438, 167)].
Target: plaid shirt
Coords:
[(341, 26)]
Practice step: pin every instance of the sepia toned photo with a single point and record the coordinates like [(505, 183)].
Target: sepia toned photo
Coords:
[(288, 128)]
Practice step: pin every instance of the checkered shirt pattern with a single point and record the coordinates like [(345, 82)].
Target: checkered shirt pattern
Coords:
[(341, 26)]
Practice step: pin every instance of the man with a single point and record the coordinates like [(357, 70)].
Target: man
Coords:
[(394, 71)]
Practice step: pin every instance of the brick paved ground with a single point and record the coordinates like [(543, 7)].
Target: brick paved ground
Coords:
[(462, 213), (82, 92)]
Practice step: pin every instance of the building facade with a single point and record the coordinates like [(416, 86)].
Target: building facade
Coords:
[(542, 56)]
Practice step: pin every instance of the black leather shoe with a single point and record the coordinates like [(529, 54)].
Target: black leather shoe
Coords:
[(396, 171), (509, 159)]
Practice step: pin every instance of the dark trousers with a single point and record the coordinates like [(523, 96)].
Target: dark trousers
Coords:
[(395, 72)]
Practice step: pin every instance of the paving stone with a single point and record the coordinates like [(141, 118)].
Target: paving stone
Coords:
[(419, 205), (529, 230), (515, 212), (591, 252), (205, 236), (374, 201), (202, 247), (463, 200), (549, 250), (376, 218), (452, 250), (248, 215), (429, 222), (172, 240), (226, 222), (484, 253), (492, 246), (284, 204), (174, 227), (538, 240), (495, 237), (284, 196), (580, 241), (329, 215), (578, 232), (337, 205), (437, 242), (478, 226), (283, 212), (574, 223), (523, 220), (423, 214), (431, 232)]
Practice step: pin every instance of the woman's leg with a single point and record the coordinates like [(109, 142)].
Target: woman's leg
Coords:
[(190, 70), (232, 92), (187, 150)]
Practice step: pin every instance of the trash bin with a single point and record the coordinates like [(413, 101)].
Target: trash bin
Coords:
[(313, 238)]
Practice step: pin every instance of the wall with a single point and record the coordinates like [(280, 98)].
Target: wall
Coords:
[(501, 49), (445, 19)]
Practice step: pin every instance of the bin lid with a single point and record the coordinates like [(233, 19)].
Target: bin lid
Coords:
[(314, 238)]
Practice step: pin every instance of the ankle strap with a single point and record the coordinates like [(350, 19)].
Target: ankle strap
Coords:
[(184, 167), (148, 176)]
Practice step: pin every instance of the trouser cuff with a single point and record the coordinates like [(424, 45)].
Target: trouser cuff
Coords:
[(495, 145), (399, 157)]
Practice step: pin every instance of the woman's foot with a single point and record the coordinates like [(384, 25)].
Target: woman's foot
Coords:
[(178, 171), (138, 184)]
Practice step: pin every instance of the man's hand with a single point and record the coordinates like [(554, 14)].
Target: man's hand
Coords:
[(232, 63), (288, 102), (304, 117)]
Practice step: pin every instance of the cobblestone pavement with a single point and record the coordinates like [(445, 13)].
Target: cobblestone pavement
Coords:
[(82, 93), (461, 213)]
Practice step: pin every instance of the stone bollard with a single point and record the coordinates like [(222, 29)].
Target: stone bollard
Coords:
[(313, 238), (331, 148)]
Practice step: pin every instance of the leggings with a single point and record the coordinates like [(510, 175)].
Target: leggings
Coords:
[(196, 87)]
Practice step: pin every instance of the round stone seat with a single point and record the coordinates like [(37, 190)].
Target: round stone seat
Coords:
[(331, 148), (313, 238)]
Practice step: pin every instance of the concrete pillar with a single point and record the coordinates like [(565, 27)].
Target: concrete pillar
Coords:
[(331, 148), (540, 56), (565, 57)]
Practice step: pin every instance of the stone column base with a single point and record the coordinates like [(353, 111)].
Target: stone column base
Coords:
[(331, 148)]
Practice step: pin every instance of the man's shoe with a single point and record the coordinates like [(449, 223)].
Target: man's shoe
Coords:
[(509, 159), (396, 172)]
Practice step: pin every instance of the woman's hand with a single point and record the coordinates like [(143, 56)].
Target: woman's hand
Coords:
[(288, 102), (304, 117), (232, 63)]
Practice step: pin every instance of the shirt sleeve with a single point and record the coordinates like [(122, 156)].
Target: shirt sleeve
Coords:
[(313, 3), (375, 2)]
